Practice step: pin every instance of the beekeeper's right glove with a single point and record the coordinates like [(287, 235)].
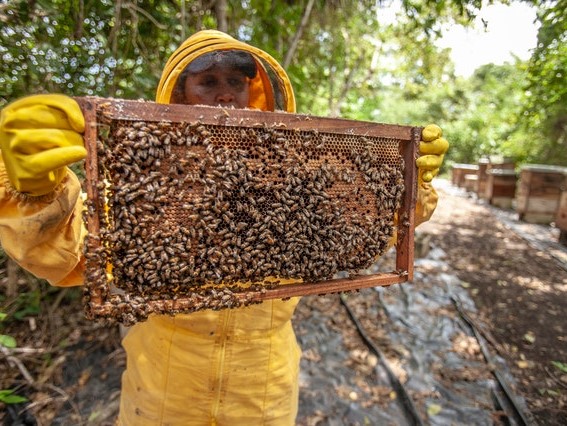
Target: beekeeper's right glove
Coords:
[(39, 136), (432, 149)]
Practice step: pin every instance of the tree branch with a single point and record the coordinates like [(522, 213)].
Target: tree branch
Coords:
[(15, 362), (349, 80), (298, 33), (147, 15)]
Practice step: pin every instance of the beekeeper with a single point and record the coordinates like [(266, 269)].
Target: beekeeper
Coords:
[(230, 367)]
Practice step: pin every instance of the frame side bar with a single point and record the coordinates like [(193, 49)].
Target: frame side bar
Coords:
[(89, 108), (406, 215)]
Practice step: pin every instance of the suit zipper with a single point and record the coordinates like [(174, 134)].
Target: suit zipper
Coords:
[(219, 382)]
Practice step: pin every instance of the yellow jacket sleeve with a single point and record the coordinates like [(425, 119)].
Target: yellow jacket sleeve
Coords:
[(44, 234)]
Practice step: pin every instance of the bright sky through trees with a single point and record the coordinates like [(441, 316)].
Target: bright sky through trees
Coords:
[(510, 30)]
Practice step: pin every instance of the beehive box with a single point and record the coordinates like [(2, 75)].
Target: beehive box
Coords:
[(470, 182), (538, 192), (486, 166), (195, 207), (483, 165), (561, 215), (460, 170), (501, 187)]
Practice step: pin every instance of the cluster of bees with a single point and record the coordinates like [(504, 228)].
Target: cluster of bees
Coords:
[(191, 208)]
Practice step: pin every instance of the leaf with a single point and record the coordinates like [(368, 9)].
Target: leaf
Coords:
[(434, 409), (7, 397), (523, 364), (549, 392), (7, 341), (560, 365), (529, 337), (94, 416)]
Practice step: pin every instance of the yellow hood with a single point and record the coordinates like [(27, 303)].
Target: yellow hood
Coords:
[(270, 90)]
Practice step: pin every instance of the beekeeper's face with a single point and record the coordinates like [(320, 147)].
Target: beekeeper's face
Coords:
[(218, 86)]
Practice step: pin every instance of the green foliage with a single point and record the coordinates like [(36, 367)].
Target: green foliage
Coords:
[(349, 61), (95, 48), (518, 110), (7, 396), (560, 366), (546, 105), (8, 341), (27, 303), (5, 340), (495, 108)]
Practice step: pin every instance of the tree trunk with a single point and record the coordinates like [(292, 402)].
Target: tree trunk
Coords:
[(79, 18), (113, 36), (113, 41), (298, 33), (220, 13), (183, 20)]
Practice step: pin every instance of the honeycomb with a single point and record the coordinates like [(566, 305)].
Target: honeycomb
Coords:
[(194, 214)]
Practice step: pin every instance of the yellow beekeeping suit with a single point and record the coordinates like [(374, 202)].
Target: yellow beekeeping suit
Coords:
[(229, 367)]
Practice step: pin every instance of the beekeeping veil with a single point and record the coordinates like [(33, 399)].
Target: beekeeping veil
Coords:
[(270, 88)]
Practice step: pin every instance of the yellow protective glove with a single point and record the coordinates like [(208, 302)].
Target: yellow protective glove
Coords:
[(39, 136), (432, 149)]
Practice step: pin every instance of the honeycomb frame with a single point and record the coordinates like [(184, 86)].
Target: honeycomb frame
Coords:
[(195, 207)]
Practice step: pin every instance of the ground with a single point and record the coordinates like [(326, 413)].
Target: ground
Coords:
[(475, 265), (519, 285)]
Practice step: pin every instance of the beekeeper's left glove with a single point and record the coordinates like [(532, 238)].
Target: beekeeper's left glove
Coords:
[(39, 136), (432, 149)]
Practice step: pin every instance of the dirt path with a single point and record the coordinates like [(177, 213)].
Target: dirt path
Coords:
[(517, 276)]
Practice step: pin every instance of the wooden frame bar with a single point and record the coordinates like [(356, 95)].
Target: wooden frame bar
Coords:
[(97, 109)]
